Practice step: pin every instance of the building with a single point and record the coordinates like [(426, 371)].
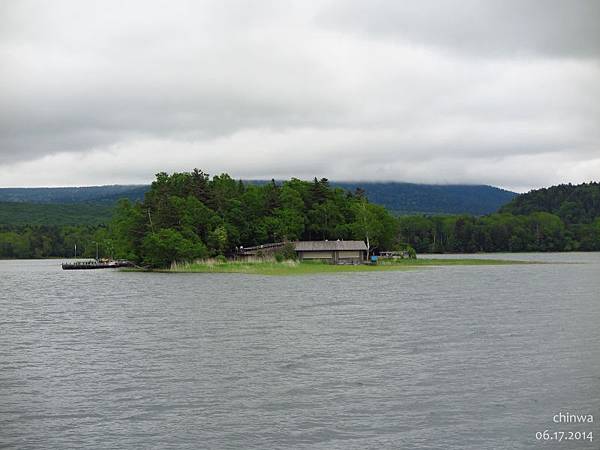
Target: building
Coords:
[(335, 252)]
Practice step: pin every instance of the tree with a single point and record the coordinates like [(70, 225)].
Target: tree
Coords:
[(417, 232), (323, 219), (127, 230), (366, 226), (166, 246), (549, 231), (217, 240)]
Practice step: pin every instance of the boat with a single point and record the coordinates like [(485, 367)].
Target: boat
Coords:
[(96, 264)]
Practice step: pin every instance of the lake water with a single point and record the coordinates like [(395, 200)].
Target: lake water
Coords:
[(464, 357)]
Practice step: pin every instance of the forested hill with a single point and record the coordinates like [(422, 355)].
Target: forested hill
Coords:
[(574, 204), (86, 194), (400, 198), (19, 214), (410, 198)]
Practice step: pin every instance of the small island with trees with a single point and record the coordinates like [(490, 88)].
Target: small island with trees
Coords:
[(192, 222), (187, 217)]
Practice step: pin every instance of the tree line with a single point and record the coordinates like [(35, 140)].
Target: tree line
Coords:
[(565, 217), (47, 241), (190, 215), (501, 232)]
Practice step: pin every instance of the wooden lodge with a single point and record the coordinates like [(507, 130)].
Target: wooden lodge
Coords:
[(334, 252)]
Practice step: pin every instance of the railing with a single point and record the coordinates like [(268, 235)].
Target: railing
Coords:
[(243, 250)]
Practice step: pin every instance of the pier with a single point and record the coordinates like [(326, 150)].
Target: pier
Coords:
[(96, 264)]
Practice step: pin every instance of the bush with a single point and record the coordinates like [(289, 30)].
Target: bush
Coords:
[(288, 251), (412, 254)]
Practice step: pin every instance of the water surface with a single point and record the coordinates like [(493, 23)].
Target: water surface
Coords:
[(475, 357)]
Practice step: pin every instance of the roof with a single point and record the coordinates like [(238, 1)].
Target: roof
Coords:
[(320, 246)]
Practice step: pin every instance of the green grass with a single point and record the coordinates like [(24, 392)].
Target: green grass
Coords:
[(307, 268)]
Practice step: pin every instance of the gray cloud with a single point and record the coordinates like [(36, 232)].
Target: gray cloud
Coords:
[(506, 28), (439, 92)]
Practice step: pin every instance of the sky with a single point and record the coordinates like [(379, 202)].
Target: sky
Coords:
[(502, 92)]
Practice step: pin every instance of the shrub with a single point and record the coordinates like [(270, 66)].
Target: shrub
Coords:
[(412, 254), (288, 251)]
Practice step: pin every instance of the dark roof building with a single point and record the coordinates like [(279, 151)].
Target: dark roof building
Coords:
[(337, 252), (326, 246)]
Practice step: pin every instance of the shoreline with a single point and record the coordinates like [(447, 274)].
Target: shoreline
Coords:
[(285, 268)]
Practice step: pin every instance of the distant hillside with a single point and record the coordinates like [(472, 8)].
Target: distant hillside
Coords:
[(401, 198), (86, 194), (18, 214), (572, 203), (409, 198)]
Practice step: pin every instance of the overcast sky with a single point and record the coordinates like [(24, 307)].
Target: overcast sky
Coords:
[(500, 92)]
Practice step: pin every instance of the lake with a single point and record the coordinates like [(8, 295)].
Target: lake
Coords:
[(455, 357)]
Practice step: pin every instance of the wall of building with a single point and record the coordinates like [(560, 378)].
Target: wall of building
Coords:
[(347, 254), (315, 255)]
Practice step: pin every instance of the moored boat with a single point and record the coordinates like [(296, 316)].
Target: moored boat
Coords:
[(96, 264)]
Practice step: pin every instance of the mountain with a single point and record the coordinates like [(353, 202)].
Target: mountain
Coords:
[(401, 198), (410, 198), (86, 194), (574, 204)]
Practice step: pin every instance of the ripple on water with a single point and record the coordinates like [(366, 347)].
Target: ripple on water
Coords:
[(475, 357)]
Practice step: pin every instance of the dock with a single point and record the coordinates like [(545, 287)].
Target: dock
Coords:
[(96, 264)]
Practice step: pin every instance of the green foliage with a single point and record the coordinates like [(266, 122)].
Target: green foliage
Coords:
[(412, 253), (537, 232), (127, 230), (185, 216), (411, 199), (287, 268), (401, 198), (183, 210), (106, 195), (162, 248), (20, 214), (14, 245), (286, 253), (53, 241), (217, 240), (574, 204)]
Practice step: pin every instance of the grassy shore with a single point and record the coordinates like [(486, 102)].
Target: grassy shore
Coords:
[(305, 268)]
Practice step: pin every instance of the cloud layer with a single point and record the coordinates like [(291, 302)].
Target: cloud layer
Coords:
[(503, 93)]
